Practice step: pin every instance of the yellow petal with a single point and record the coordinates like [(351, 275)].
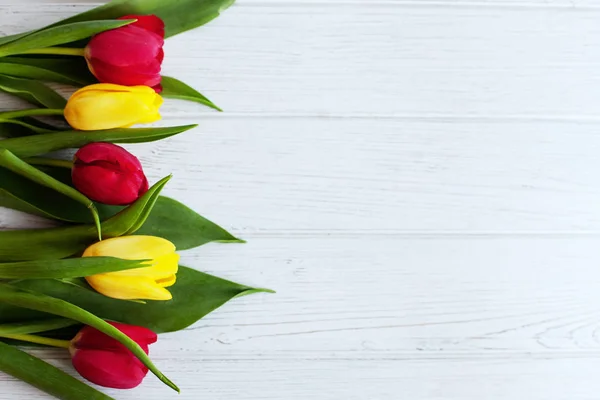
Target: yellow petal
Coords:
[(162, 267), (153, 101), (131, 248), (128, 288), (166, 282), (107, 106), (110, 87)]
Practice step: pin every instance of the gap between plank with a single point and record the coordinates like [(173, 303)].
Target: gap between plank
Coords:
[(409, 117), (570, 5), (421, 235)]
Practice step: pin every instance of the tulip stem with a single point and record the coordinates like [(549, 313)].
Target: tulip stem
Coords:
[(60, 51), (13, 163), (49, 162), (32, 112), (64, 344)]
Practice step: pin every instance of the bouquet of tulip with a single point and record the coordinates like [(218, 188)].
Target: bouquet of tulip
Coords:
[(106, 281)]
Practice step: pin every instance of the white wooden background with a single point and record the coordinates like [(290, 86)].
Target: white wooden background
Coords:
[(419, 181)]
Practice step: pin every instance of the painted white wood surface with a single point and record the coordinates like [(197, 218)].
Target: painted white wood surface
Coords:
[(418, 180)]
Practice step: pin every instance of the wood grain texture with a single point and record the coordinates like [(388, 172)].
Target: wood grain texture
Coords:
[(417, 180), (385, 61), (363, 319)]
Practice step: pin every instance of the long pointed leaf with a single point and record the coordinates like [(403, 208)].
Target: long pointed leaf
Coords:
[(75, 69), (44, 376), (56, 243), (169, 218), (21, 194), (37, 73), (51, 305), (9, 161), (184, 227), (69, 268), (53, 36), (42, 144), (29, 327), (10, 128), (195, 295), (175, 89), (179, 16), (32, 91)]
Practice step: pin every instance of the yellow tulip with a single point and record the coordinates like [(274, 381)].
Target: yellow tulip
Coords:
[(108, 106), (147, 283)]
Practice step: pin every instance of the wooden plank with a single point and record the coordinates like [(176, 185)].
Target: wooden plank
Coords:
[(388, 60), (435, 318), (304, 176), (470, 379)]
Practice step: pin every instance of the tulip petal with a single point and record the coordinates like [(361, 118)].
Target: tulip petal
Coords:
[(148, 22), (147, 74), (131, 248), (128, 46), (96, 110), (110, 153), (167, 282), (162, 268), (109, 174), (111, 87), (89, 337), (109, 369), (109, 187), (141, 283), (128, 287)]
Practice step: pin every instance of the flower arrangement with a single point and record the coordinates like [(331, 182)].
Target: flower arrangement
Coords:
[(102, 283)]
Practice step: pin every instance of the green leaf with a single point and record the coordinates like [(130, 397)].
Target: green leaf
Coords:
[(16, 128), (169, 218), (44, 376), (21, 194), (174, 221), (178, 15), (71, 70), (69, 268), (13, 163), (48, 304), (175, 89), (29, 327), (195, 295), (32, 91), (12, 38), (42, 144), (65, 33), (32, 72), (57, 243)]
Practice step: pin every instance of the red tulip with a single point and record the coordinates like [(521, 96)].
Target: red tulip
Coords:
[(104, 361), (108, 174), (130, 55)]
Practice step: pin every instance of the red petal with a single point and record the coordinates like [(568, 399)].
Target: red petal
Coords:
[(147, 75), (107, 186), (109, 174), (148, 22), (124, 47), (111, 153), (91, 338), (109, 369), (138, 334)]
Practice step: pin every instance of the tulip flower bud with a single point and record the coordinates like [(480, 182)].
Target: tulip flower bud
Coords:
[(104, 361), (130, 55), (146, 283), (107, 106), (108, 174)]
